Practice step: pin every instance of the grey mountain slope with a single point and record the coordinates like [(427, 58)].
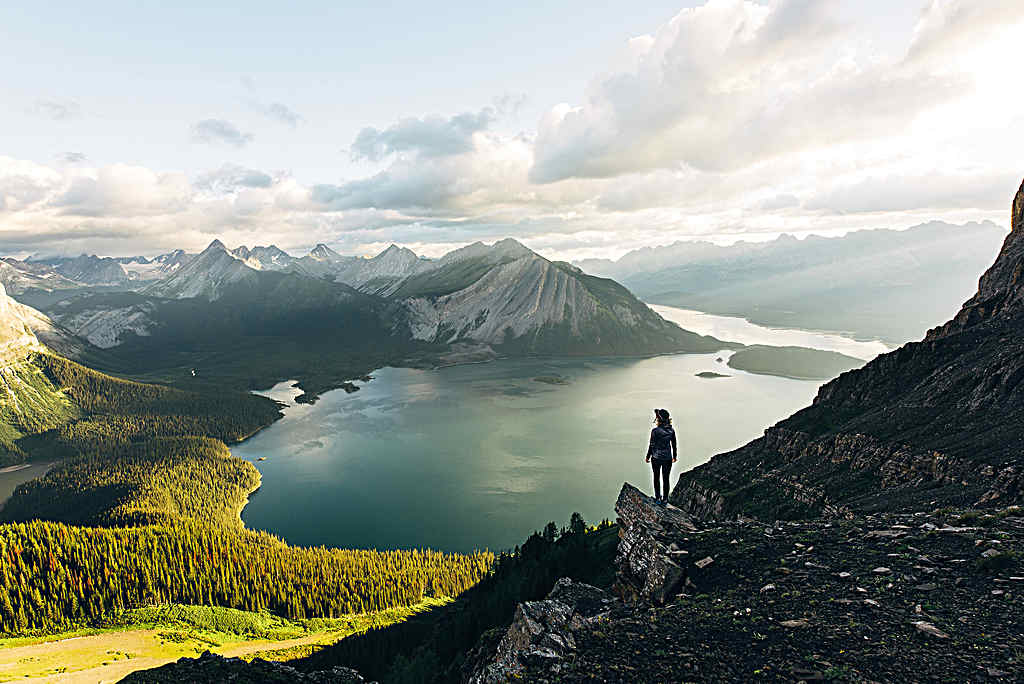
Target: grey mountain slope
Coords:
[(18, 277), (510, 298), (484, 300), (205, 276)]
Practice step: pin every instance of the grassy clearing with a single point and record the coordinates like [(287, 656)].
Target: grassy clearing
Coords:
[(149, 637)]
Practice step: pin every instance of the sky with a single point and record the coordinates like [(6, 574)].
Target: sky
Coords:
[(582, 129)]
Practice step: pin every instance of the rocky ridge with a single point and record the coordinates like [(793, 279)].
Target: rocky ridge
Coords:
[(925, 596), (210, 667)]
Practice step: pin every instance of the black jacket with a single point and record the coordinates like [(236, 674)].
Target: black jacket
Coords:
[(663, 444)]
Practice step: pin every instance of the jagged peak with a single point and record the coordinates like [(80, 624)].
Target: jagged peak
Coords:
[(322, 251), (394, 250), (216, 246), (512, 247)]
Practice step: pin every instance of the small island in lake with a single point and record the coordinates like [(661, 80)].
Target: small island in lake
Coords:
[(712, 374), (793, 362), (552, 380)]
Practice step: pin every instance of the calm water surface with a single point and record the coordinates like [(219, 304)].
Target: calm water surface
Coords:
[(743, 331), (481, 455)]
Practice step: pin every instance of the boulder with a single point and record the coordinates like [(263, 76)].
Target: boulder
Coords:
[(646, 569), (541, 633)]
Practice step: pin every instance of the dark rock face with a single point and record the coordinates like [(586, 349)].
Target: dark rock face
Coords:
[(210, 668), (541, 633), (936, 422), (648, 567)]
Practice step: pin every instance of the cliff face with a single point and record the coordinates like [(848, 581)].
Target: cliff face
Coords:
[(936, 422)]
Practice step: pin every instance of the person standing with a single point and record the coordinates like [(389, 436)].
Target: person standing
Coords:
[(662, 453)]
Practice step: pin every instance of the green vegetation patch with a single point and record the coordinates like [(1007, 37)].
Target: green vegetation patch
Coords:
[(29, 403), (793, 362), (58, 577), (158, 481)]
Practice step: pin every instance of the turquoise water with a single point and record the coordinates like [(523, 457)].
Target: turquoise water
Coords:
[(481, 455)]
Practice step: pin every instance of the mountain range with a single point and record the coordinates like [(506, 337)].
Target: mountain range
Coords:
[(872, 284), (256, 316)]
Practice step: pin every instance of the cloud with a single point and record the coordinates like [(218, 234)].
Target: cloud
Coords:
[(733, 120), (282, 114), (509, 104), (124, 191), (430, 136), (730, 84), (73, 157), (949, 25), (977, 189), (277, 111), (230, 178), (213, 131), (779, 202), (57, 109)]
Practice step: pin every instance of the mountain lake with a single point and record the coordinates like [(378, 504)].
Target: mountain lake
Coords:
[(481, 455)]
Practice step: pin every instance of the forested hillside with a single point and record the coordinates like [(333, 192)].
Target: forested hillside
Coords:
[(58, 576), (143, 509)]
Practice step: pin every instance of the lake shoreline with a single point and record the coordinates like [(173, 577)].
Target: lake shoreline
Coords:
[(45, 466)]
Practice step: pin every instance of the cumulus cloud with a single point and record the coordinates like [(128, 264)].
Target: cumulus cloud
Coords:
[(429, 136), (729, 84), (124, 191), (213, 131), (57, 109)]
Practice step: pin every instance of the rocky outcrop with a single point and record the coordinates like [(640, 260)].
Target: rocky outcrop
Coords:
[(541, 633), (649, 566), (210, 668), (936, 422)]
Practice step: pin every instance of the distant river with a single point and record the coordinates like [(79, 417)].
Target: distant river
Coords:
[(481, 455)]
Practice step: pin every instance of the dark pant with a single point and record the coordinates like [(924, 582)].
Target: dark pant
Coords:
[(665, 467)]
